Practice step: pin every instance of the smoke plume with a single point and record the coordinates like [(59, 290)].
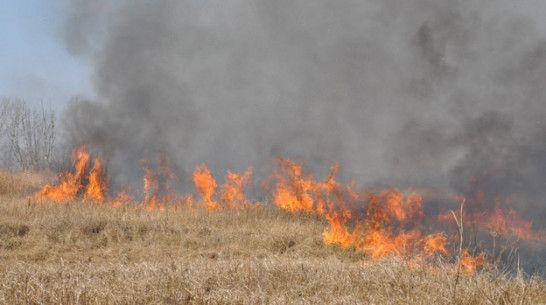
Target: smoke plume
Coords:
[(419, 92)]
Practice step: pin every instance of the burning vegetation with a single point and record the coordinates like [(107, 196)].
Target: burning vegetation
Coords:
[(377, 222), (71, 184)]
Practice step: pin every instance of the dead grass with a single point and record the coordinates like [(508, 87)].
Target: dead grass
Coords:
[(74, 253), (19, 183)]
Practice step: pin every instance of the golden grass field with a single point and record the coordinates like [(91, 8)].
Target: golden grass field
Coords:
[(82, 253)]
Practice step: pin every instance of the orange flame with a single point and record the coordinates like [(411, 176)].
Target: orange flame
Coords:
[(377, 222), (189, 201), (69, 184), (338, 232), (206, 186), (470, 263), (491, 215), (96, 185), (323, 189), (232, 190), (121, 199), (502, 222), (292, 191), (434, 243), (157, 191)]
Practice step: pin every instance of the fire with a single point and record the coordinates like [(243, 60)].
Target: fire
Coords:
[(232, 190), (435, 243), (157, 190), (338, 233), (389, 226), (377, 222), (96, 185), (507, 222), (292, 191), (488, 213), (469, 263), (69, 184), (206, 186), (122, 198), (333, 201), (189, 201)]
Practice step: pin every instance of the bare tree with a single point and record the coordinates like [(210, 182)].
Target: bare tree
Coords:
[(3, 114), (4, 145), (30, 133)]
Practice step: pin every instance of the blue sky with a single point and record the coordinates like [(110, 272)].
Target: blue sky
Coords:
[(34, 65)]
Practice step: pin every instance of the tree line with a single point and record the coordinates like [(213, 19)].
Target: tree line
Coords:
[(27, 135)]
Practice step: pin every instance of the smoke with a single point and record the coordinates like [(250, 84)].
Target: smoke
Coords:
[(419, 92)]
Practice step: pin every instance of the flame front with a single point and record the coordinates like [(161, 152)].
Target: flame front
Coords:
[(376, 222)]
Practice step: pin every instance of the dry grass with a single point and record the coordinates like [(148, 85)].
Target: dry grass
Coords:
[(19, 183), (76, 253)]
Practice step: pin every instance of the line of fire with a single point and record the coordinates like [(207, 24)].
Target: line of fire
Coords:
[(472, 232)]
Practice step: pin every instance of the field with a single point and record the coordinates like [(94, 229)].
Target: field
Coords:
[(84, 253)]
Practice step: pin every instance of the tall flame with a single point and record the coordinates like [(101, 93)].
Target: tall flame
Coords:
[(232, 190), (69, 184), (206, 186), (96, 185)]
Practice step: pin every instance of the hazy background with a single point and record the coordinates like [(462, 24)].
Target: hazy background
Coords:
[(35, 64), (424, 93)]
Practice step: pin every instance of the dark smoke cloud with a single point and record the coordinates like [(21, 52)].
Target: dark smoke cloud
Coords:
[(421, 92)]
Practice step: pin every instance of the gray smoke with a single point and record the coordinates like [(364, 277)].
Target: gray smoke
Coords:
[(415, 92)]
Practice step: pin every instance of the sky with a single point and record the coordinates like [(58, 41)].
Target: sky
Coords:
[(36, 66)]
